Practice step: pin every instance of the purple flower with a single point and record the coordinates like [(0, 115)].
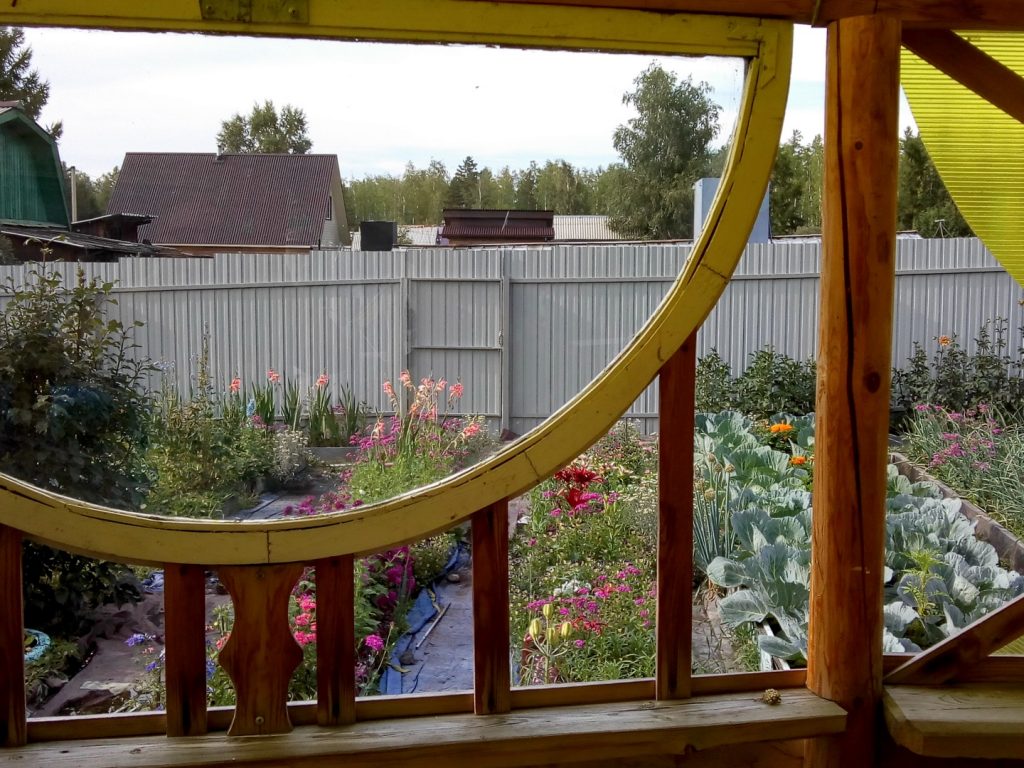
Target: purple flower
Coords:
[(152, 665), (374, 642), (136, 639)]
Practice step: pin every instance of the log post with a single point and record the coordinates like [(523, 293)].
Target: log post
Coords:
[(492, 692), (335, 641), (185, 649), (854, 369), (676, 391), (13, 730)]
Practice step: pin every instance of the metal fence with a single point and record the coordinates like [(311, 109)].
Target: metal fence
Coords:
[(524, 328)]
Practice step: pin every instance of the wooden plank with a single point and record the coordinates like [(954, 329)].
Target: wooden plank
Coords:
[(855, 335), (895, 756), (544, 736), (335, 641), (12, 641), (185, 649), (492, 676), (260, 654), (944, 660), (971, 67), (676, 403), (968, 720)]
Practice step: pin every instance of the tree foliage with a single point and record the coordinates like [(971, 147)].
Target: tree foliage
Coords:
[(796, 184), (464, 191), (924, 203), (664, 149), (18, 81), (264, 130)]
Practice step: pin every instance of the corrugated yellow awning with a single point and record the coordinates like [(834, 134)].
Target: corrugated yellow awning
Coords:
[(977, 148)]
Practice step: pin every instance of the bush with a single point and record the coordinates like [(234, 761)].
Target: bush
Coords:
[(776, 383), (72, 420)]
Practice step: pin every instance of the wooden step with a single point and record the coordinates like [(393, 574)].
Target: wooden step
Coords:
[(980, 720), (523, 737)]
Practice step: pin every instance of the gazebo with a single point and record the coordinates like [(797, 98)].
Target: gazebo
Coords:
[(950, 705)]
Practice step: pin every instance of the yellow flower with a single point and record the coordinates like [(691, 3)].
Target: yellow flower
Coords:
[(780, 428), (945, 341)]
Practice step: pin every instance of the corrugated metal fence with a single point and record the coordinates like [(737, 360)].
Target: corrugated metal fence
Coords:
[(524, 328)]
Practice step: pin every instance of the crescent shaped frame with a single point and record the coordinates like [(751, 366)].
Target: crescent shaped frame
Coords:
[(766, 45)]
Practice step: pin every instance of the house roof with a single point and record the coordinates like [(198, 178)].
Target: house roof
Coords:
[(577, 227), (492, 224), (81, 241), (201, 198)]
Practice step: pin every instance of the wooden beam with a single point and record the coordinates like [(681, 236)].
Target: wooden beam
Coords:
[(492, 676), (971, 67), (944, 661), (185, 649), (854, 342), (335, 641), (676, 392), (12, 641)]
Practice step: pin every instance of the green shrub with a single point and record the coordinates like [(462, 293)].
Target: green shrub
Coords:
[(715, 388), (775, 383), (72, 420)]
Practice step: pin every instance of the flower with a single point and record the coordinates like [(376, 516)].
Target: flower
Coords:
[(137, 639), (781, 428), (389, 390), (796, 461), (322, 381), (374, 642), (236, 384), (944, 341), (455, 390), (273, 376)]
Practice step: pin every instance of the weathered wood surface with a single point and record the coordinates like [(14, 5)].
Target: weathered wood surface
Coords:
[(944, 660), (185, 649), (968, 720), (895, 756), (855, 333), (1009, 548), (492, 676), (335, 641), (12, 641), (260, 655), (544, 736), (676, 393)]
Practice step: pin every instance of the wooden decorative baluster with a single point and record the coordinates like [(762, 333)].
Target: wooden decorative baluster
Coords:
[(335, 641), (491, 673), (185, 649), (261, 654), (676, 385), (12, 649)]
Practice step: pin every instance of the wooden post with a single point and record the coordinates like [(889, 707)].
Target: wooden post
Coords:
[(854, 362), (185, 649), (13, 731), (492, 691), (676, 392), (335, 641), (260, 654)]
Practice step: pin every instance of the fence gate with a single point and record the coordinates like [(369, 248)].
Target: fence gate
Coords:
[(456, 330)]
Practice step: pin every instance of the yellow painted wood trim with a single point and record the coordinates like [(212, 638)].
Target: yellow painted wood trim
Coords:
[(443, 21), (130, 537)]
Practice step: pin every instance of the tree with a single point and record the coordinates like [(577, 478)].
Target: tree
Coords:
[(18, 81), (924, 204), (266, 131), (464, 189), (665, 149)]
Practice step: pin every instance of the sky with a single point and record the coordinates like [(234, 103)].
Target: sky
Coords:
[(377, 106)]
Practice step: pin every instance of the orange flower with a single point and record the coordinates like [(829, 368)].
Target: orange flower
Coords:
[(776, 429), (796, 461), (944, 341)]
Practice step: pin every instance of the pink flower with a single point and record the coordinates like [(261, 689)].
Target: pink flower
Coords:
[(406, 379), (471, 430), (322, 381), (236, 384), (456, 389), (302, 620), (580, 642), (273, 376), (374, 642)]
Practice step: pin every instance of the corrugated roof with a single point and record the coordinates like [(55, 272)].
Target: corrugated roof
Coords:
[(508, 231), (584, 228), (206, 199), (58, 236)]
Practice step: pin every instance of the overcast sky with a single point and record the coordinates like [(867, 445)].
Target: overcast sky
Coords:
[(377, 106)]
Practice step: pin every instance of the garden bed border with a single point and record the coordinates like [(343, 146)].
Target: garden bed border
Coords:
[(1009, 548)]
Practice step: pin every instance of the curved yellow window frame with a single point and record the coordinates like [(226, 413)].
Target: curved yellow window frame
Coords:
[(766, 46)]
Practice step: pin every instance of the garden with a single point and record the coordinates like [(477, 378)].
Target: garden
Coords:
[(76, 418)]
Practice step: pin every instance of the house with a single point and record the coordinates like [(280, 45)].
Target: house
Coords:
[(33, 204), (204, 203), (568, 229)]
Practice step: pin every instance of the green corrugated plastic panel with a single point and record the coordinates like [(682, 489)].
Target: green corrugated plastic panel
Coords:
[(977, 148)]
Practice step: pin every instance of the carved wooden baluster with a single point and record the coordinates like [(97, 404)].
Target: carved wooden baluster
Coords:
[(335, 641), (492, 692), (185, 649), (261, 654), (676, 386), (12, 649)]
